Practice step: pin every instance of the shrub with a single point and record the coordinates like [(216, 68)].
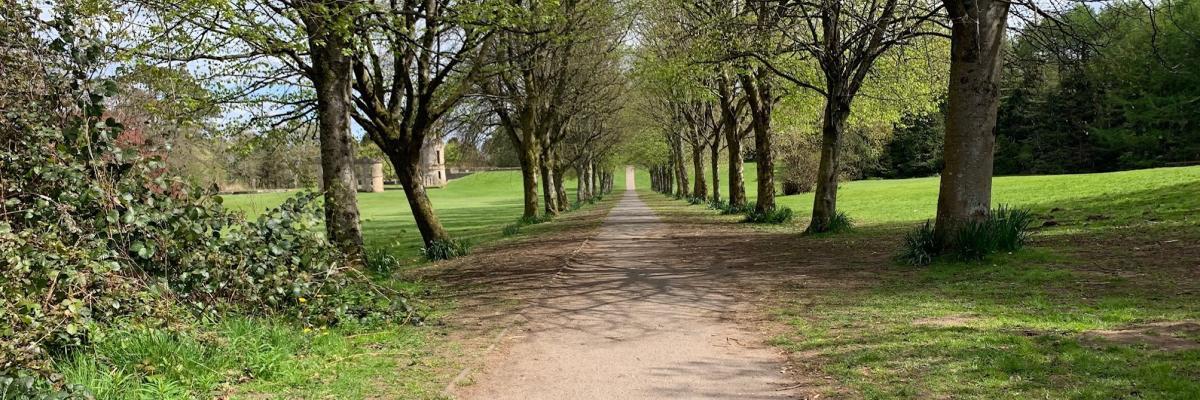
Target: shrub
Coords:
[(772, 216), (92, 233), (446, 249), (798, 157), (696, 200), (1005, 229)]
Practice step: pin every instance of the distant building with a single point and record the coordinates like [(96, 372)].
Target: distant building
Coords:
[(369, 173), (433, 163)]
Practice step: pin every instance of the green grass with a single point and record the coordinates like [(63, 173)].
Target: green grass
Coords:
[(252, 357), (475, 208), (243, 357), (1163, 194), (1013, 326)]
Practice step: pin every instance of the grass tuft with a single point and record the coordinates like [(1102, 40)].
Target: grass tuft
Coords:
[(919, 246), (446, 249), (1006, 229), (772, 216)]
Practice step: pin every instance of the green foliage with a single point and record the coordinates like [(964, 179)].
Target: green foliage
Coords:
[(1127, 104), (920, 246), (778, 215), (511, 229), (729, 209), (840, 223), (1006, 229), (915, 148), (446, 249), (93, 232)]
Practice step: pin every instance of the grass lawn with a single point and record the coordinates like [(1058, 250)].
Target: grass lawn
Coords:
[(251, 357), (475, 208), (1104, 304)]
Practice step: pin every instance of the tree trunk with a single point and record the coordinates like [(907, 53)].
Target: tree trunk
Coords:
[(977, 37), (560, 189), (549, 193), (529, 181), (758, 92), (331, 79), (716, 173), (681, 178), (833, 126), (409, 174), (701, 187), (733, 143)]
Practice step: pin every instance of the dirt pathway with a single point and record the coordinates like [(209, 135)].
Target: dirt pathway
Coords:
[(632, 316)]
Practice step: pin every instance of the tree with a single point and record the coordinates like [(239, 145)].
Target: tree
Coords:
[(261, 47), (416, 61), (844, 40), (976, 42)]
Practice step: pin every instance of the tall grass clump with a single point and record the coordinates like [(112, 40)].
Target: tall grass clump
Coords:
[(778, 215), (1006, 229), (446, 249)]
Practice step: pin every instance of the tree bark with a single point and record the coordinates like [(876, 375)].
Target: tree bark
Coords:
[(833, 126), (758, 92), (529, 181), (700, 188), (560, 189), (331, 79), (549, 193), (733, 144), (716, 173), (681, 178), (977, 39), (409, 173)]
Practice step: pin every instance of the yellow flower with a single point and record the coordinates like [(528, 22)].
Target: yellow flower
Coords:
[(307, 330), (303, 300)]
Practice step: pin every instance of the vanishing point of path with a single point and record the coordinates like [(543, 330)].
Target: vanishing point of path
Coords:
[(631, 316)]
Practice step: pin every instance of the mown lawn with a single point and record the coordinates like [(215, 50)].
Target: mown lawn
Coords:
[(1169, 195), (474, 208), (1105, 304)]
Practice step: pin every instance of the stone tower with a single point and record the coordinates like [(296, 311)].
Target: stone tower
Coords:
[(433, 163), (369, 174)]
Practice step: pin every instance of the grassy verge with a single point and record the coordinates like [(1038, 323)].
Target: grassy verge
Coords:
[(250, 357), (1104, 305)]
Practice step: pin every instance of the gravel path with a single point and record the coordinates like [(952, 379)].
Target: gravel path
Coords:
[(633, 317)]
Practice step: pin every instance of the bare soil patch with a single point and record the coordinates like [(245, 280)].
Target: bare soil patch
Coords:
[(1163, 336)]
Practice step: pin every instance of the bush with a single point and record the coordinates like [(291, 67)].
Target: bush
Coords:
[(799, 157), (772, 216), (696, 200), (1005, 229), (446, 249), (840, 222), (92, 233)]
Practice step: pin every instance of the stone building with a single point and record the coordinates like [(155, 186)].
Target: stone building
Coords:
[(369, 173), (433, 163)]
